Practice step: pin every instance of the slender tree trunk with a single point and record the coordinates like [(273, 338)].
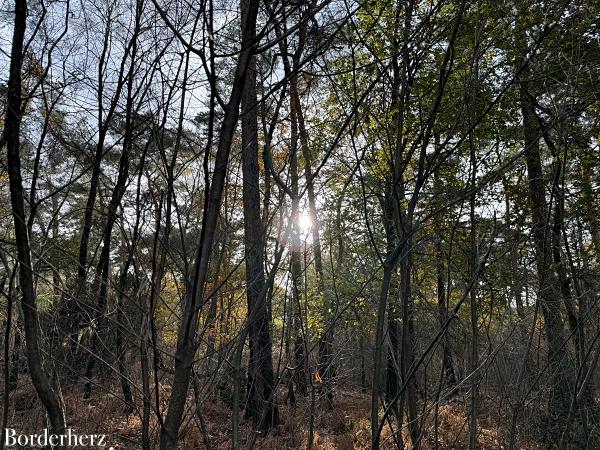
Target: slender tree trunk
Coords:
[(403, 221), (13, 377), (561, 371), (122, 288), (186, 342), (117, 194), (7, 360), (48, 393), (145, 374), (471, 102), (103, 127), (103, 267), (473, 266), (104, 121), (300, 374), (449, 376), (378, 357), (325, 368), (577, 329), (56, 287), (121, 352), (407, 359), (392, 378), (516, 286)]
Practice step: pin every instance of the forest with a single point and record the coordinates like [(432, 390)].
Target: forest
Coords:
[(300, 224)]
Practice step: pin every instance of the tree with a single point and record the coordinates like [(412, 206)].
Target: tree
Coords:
[(261, 407), (48, 390), (186, 339)]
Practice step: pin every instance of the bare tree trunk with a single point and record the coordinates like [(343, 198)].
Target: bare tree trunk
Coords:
[(261, 407), (121, 353), (449, 376), (7, 361), (325, 369), (392, 378), (474, 246), (122, 288), (186, 342), (117, 194), (377, 360), (49, 395), (103, 127), (56, 287), (103, 266), (300, 373), (516, 286), (407, 359), (574, 313), (145, 374), (473, 265), (549, 292), (13, 377)]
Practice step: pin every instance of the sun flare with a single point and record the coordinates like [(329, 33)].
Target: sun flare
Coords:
[(305, 222)]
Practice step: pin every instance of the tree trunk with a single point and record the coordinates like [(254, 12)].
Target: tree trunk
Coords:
[(186, 345), (378, 357), (325, 369), (562, 380), (473, 266), (9, 293), (261, 406), (407, 359), (448, 374), (116, 196), (49, 395), (103, 266), (392, 378), (300, 373)]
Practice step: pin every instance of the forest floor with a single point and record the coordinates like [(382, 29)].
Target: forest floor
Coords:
[(346, 427)]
